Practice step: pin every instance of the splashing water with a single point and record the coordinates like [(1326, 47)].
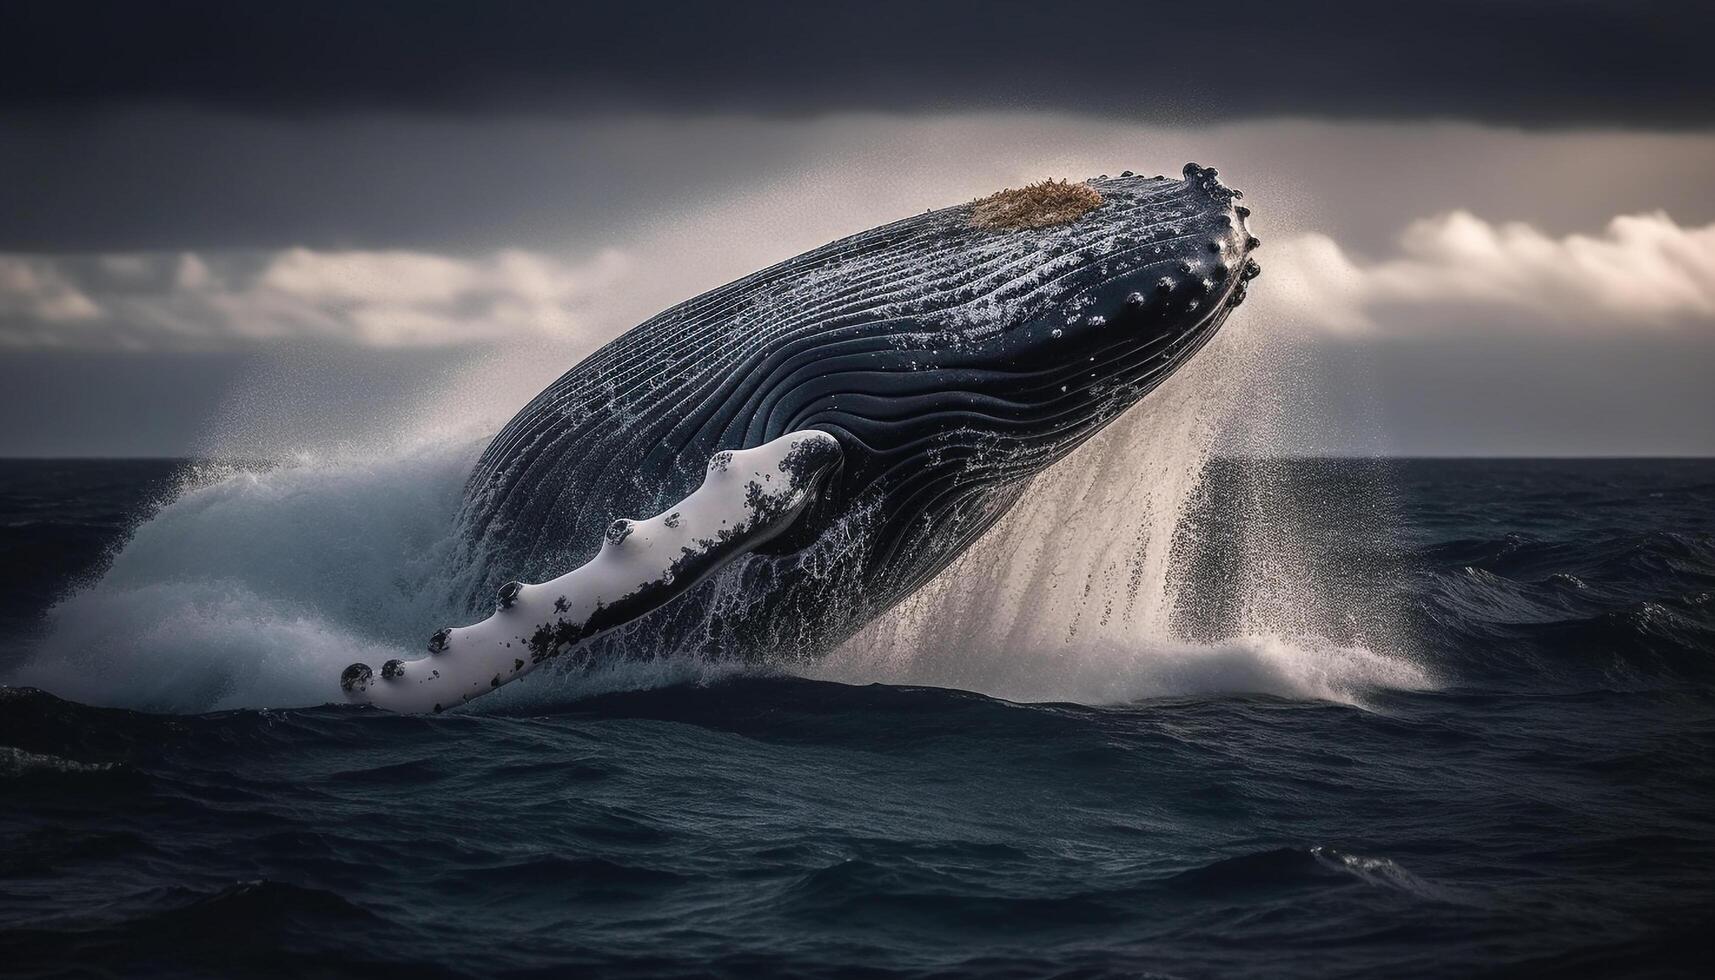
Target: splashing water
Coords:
[(1094, 588), (252, 589)]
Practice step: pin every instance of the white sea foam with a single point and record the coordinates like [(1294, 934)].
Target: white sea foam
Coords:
[(1105, 671), (15, 762), (256, 589), (1381, 872)]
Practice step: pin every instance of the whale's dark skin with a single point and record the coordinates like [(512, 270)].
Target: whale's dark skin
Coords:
[(952, 363)]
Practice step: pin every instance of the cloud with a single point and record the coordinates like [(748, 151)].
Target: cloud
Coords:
[(383, 299), (1643, 270), (33, 289)]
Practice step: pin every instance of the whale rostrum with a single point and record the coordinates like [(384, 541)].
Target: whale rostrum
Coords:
[(930, 368), (747, 497)]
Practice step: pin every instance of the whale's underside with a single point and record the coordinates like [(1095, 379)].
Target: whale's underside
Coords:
[(950, 361)]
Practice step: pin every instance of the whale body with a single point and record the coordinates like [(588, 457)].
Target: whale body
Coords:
[(930, 367)]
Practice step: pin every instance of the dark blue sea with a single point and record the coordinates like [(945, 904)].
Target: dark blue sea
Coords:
[(1540, 801)]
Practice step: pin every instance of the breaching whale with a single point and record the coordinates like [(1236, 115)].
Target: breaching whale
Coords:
[(818, 439)]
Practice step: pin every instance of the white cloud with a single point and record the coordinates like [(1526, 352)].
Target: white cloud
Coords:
[(1643, 270), (365, 298), (33, 289)]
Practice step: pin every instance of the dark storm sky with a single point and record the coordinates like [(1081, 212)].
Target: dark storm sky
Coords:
[(1524, 62), (211, 205)]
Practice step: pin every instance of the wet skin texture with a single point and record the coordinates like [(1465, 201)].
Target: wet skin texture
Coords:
[(952, 363)]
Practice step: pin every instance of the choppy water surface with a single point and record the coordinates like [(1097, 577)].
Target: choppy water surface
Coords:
[(1467, 725)]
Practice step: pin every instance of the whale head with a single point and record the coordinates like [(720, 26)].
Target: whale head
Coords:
[(1000, 334)]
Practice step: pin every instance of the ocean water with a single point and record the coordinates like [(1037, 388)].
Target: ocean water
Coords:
[(1299, 718)]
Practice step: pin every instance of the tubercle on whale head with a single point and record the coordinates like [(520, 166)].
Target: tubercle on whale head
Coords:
[(1196, 266)]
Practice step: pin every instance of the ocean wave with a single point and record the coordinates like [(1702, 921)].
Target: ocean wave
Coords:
[(15, 762), (1317, 866), (1106, 670)]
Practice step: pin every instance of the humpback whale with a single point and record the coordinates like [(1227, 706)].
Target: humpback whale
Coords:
[(820, 438)]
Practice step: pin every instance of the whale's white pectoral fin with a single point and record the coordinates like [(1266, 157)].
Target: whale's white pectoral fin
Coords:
[(747, 497)]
